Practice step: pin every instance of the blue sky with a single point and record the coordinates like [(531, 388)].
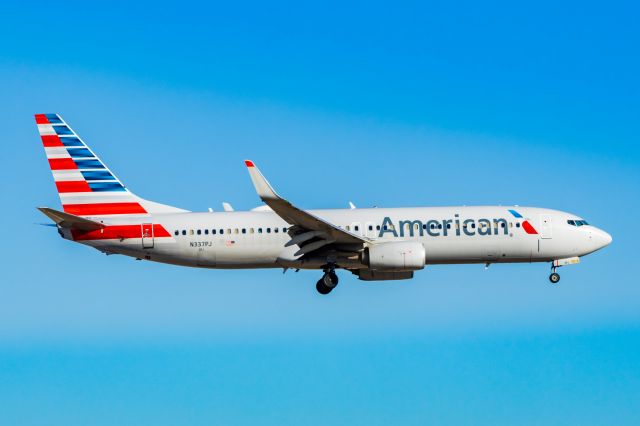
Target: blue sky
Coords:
[(389, 105)]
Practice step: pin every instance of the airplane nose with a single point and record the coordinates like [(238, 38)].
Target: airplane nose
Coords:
[(601, 238)]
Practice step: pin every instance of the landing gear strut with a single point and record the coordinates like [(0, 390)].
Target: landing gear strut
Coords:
[(554, 277), (328, 282)]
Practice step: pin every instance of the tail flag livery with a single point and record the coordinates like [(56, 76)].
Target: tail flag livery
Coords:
[(85, 185)]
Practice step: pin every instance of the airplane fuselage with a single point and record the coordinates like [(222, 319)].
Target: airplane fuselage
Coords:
[(449, 235)]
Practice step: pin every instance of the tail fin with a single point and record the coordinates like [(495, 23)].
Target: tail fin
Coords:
[(85, 185)]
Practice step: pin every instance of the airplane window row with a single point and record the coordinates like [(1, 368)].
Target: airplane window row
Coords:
[(577, 222), (432, 226), (356, 228), (223, 231)]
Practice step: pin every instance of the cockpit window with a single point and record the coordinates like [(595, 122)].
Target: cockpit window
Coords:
[(577, 222)]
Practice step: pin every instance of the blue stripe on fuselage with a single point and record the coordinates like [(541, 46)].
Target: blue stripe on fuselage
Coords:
[(515, 213)]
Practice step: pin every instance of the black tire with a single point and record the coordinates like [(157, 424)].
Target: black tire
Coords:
[(330, 279), (554, 278), (322, 289)]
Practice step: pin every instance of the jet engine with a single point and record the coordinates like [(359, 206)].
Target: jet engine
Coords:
[(396, 256)]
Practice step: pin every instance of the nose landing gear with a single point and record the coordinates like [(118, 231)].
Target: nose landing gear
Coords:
[(554, 277), (328, 282)]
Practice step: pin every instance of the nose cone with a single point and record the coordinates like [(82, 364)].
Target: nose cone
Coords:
[(600, 238)]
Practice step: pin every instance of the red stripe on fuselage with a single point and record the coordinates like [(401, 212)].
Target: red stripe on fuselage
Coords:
[(98, 209), (41, 119), (73, 186), (528, 228), (117, 232), (50, 141), (62, 164)]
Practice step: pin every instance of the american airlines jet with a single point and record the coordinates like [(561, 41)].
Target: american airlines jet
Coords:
[(374, 244)]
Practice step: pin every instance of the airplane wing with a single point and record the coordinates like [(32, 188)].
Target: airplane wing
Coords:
[(70, 221), (310, 226)]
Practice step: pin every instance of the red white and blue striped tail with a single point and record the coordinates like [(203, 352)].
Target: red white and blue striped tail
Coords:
[(85, 185)]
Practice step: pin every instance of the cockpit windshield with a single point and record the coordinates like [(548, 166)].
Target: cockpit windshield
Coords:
[(577, 222)]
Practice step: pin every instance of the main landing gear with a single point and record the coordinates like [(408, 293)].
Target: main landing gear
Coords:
[(328, 282), (554, 277)]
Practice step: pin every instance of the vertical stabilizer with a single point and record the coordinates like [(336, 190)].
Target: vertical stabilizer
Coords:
[(85, 184)]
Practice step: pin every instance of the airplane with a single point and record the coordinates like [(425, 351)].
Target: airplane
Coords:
[(374, 244)]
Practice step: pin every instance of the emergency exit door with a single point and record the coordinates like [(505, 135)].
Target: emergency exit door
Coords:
[(147, 235)]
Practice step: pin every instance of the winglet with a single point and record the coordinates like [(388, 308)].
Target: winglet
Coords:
[(264, 190)]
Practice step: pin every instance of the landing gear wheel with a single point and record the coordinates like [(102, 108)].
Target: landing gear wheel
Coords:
[(330, 279), (554, 278), (322, 288)]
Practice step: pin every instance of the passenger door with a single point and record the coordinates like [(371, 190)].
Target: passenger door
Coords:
[(147, 235), (546, 228)]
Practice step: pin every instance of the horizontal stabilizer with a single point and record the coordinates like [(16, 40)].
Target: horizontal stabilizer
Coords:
[(69, 221)]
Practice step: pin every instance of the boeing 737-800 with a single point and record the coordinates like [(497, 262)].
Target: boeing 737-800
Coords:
[(372, 243)]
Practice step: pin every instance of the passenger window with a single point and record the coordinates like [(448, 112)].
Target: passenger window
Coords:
[(448, 226), (356, 228), (259, 230), (244, 230), (377, 228), (190, 231), (503, 225), (251, 230), (348, 228), (198, 232), (221, 231), (371, 227), (176, 233), (236, 231), (276, 230), (213, 231), (284, 229), (440, 226), (517, 224), (206, 232), (473, 225), (184, 232), (228, 230), (268, 230)]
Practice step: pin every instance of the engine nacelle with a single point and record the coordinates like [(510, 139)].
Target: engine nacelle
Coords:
[(398, 256)]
